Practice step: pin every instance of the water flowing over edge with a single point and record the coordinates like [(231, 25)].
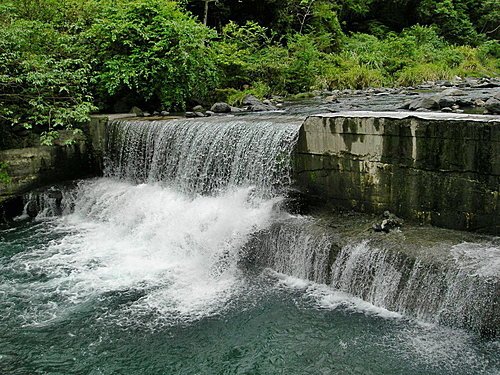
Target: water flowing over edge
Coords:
[(205, 157), (462, 291), (222, 158)]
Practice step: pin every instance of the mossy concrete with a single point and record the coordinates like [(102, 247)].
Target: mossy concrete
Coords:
[(432, 168), (32, 167)]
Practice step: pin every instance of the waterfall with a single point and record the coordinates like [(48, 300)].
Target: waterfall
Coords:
[(295, 247), (42, 204), (206, 156), (460, 287), (184, 202)]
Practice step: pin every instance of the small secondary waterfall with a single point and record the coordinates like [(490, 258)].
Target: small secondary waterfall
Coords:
[(462, 292), (205, 156), (461, 289)]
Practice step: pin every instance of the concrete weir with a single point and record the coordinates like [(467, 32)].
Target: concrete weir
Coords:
[(436, 168)]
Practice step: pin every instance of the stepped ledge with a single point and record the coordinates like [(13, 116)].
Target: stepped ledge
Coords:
[(435, 168)]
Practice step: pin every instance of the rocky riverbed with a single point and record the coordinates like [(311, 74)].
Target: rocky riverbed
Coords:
[(469, 95)]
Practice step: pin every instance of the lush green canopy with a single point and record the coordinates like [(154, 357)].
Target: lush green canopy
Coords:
[(62, 59)]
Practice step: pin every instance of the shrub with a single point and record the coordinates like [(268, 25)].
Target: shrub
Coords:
[(416, 74), (152, 51), (43, 80)]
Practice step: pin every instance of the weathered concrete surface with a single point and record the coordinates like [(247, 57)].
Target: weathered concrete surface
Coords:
[(35, 166), (96, 135), (435, 168), (32, 167)]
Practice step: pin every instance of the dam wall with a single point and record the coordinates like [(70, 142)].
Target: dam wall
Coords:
[(433, 168), (26, 169)]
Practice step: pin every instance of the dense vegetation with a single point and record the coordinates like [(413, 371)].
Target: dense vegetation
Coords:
[(62, 59)]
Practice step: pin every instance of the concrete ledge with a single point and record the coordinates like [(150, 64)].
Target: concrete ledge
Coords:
[(29, 168), (434, 168)]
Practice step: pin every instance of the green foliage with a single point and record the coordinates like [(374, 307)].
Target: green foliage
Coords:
[(450, 16), (150, 49), (59, 58), (43, 80), (4, 174), (235, 97)]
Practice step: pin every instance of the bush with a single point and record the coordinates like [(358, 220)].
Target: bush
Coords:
[(43, 81), (416, 74), (152, 51)]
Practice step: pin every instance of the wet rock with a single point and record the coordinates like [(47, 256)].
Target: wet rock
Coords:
[(479, 103), (452, 92), (250, 100), (209, 113), (236, 110), (465, 102), (446, 109), (198, 108), (31, 209), (445, 101), (190, 115), (146, 114), (389, 222), (164, 113), (255, 104), (493, 105), (405, 105), (137, 111), (221, 107), (331, 99), (487, 85), (424, 103)]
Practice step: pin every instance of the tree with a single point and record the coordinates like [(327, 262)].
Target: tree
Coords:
[(44, 84), (153, 52)]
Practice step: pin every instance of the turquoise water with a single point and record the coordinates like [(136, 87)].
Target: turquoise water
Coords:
[(141, 280)]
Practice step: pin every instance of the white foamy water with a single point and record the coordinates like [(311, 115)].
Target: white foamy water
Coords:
[(177, 255)]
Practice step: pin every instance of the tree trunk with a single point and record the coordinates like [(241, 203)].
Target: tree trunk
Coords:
[(205, 18)]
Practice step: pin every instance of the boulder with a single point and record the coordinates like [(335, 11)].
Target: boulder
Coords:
[(424, 103), (331, 99), (389, 222), (452, 92), (250, 100), (493, 105), (479, 103), (198, 108), (164, 113), (137, 111), (405, 104), (255, 104), (221, 107), (465, 102), (445, 101)]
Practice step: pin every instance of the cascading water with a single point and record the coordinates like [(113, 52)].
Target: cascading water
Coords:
[(464, 292), (154, 269), (205, 157)]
